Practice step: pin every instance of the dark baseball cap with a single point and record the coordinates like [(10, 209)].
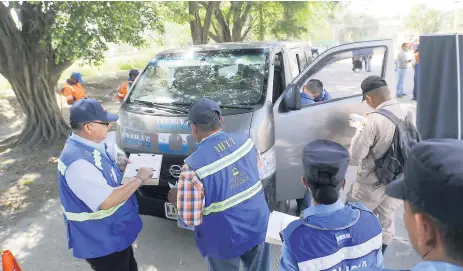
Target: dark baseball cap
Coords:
[(371, 83), (204, 111), (86, 109), (325, 162), (433, 179), (133, 72)]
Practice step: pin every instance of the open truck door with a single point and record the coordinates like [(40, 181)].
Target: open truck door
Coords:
[(296, 125)]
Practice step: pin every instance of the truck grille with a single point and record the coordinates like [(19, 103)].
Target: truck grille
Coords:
[(160, 191)]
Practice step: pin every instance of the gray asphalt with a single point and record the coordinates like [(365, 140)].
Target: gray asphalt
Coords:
[(39, 241)]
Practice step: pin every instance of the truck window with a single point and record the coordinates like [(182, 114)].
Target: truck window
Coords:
[(301, 61), (279, 84), (228, 76), (293, 63), (344, 72)]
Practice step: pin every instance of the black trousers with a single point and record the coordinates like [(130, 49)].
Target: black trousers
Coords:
[(118, 261)]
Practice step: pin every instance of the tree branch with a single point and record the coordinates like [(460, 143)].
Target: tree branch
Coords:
[(244, 16), (246, 32), (207, 20), (216, 38)]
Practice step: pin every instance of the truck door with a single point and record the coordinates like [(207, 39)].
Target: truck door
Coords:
[(297, 125)]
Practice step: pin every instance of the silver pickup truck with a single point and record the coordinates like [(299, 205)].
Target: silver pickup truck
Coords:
[(258, 86)]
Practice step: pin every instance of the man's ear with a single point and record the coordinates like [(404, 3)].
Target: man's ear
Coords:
[(426, 232), (303, 181), (344, 184)]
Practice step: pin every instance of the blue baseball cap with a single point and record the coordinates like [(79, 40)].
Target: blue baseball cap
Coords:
[(204, 111), (325, 162), (433, 179), (86, 109), (77, 76)]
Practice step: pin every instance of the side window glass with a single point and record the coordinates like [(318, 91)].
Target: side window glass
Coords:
[(293, 63), (302, 61), (342, 73)]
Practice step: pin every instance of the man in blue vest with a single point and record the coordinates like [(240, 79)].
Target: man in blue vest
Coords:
[(432, 189), (221, 195), (332, 235), (314, 92), (100, 213)]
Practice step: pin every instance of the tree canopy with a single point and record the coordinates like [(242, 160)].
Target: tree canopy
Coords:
[(39, 40)]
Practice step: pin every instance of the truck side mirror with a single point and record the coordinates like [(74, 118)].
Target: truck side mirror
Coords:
[(292, 98)]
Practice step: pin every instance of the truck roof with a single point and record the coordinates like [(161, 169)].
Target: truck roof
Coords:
[(236, 45)]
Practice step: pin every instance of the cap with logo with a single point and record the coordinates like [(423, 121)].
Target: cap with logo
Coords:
[(325, 162), (77, 76), (433, 179), (204, 111), (87, 109), (371, 83)]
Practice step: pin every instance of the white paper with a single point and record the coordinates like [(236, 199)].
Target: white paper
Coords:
[(139, 160), (278, 221), (357, 121)]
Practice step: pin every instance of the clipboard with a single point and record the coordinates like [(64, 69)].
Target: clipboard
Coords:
[(277, 222), (139, 160)]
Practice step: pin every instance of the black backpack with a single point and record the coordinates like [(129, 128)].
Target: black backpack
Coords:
[(390, 166)]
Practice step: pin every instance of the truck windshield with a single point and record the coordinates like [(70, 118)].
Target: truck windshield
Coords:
[(230, 77)]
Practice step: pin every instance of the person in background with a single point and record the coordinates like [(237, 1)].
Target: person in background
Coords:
[(73, 89), (431, 190), (331, 235), (220, 193), (100, 213), (416, 66), (370, 143), (402, 65), (314, 93), (124, 88)]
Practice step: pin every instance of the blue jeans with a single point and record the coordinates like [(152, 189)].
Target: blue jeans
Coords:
[(256, 259), (400, 81)]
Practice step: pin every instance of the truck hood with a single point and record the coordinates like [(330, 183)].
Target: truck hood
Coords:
[(167, 134)]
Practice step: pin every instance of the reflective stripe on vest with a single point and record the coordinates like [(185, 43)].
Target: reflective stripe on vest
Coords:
[(97, 158), (61, 167), (345, 253), (225, 161), (235, 200), (84, 216)]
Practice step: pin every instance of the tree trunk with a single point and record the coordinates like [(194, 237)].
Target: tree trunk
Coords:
[(30, 68), (199, 30), (34, 87)]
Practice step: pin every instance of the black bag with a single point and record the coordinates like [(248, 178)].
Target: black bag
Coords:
[(390, 166)]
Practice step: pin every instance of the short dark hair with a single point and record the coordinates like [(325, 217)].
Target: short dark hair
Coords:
[(76, 125), (452, 236), (214, 124), (315, 86), (404, 44)]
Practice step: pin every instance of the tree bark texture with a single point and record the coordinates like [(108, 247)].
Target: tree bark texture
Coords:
[(200, 30), (229, 28), (27, 62)]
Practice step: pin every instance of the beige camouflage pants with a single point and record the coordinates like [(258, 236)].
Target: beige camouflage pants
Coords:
[(383, 206)]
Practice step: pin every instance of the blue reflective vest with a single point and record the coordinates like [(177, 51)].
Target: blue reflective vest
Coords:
[(103, 232), (347, 239), (236, 214)]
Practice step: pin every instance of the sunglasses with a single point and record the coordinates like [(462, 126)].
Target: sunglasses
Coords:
[(102, 123)]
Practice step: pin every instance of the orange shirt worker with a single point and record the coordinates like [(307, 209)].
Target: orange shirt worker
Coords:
[(73, 90), (124, 88)]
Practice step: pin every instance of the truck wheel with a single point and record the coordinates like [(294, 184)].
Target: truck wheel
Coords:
[(283, 206)]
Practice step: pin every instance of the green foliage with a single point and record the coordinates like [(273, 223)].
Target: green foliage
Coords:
[(424, 20), (82, 29)]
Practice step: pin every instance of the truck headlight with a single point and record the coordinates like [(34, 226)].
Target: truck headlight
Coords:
[(268, 160)]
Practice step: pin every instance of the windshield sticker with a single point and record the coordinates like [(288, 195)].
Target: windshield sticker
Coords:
[(176, 143), (137, 139), (172, 124)]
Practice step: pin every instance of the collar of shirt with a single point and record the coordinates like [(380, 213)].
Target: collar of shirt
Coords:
[(99, 146), (210, 136), (323, 209), (436, 266), (387, 103), (306, 96)]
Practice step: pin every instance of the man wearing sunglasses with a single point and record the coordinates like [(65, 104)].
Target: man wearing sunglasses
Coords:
[(221, 195), (100, 213)]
